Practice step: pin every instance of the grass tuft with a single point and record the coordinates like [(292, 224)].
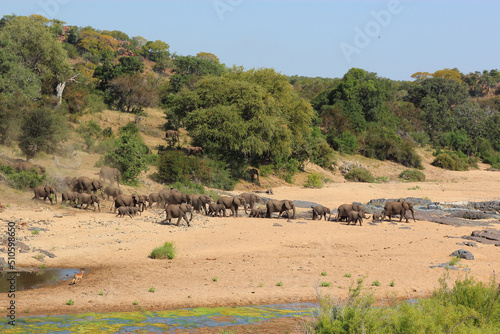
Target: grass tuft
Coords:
[(167, 251)]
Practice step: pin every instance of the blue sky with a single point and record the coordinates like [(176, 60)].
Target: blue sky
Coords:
[(310, 38)]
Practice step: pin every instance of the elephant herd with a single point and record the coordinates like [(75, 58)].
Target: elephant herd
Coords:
[(354, 213)]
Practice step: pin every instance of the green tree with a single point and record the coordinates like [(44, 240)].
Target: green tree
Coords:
[(156, 51), (188, 69), (129, 154), (41, 130), (32, 59)]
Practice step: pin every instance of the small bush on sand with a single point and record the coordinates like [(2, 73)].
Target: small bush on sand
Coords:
[(359, 175), (412, 175), (167, 251)]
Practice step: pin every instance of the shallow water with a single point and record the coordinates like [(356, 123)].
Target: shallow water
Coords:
[(29, 280), (174, 321)]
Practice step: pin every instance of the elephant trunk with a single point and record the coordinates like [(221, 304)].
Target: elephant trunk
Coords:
[(413, 215), (293, 217)]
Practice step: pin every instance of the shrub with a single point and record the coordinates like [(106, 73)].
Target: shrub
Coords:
[(468, 307), (359, 175), (266, 170), (167, 251), (314, 180), (454, 161), (129, 154), (22, 180), (412, 175), (323, 155), (176, 166)]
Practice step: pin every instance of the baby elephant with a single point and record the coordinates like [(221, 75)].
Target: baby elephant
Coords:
[(215, 209), (377, 217), (321, 211), (355, 216), (258, 212), (127, 210), (89, 199)]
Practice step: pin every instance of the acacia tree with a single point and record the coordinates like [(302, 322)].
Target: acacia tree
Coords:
[(132, 93)]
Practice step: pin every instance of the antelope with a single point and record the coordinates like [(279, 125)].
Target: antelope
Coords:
[(78, 276)]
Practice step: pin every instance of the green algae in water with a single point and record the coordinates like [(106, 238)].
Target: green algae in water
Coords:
[(155, 322)]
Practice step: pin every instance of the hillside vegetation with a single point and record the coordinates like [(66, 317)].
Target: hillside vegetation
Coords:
[(66, 88)]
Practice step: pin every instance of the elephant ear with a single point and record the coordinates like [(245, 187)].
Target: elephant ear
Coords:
[(406, 205)]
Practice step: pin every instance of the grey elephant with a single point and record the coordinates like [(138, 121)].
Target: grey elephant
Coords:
[(172, 135), (344, 209), (283, 206), (320, 211), (258, 212), (70, 181), (251, 200), (165, 195), (111, 174), (178, 211), (232, 203), (89, 199), (356, 216), (85, 184), (176, 197), (154, 198), (127, 210), (398, 208), (69, 196), (215, 209), (200, 202), (125, 200), (377, 217), (143, 202), (44, 192), (112, 191)]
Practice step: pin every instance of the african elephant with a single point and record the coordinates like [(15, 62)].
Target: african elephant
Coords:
[(177, 197), (355, 216), (85, 184), (142, 202), (165, 195), (125, 200), (70, 196), (398, 208), (112, 191), (193, 150), (200, 202), (47, 191), (89, 199), (70, 181), (321, 211), (154, 198), (377, 216), (26, 166), (172, 135), (128, 210), (232, 203), (250, 199), (344, 209), (258, 212), (178, 211), (111, 174), (281, 207), (215, 209)]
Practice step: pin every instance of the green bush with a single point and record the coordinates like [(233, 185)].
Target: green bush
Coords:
[(22, 180), (345, 143), (359, 175), (129, 154), (412, 175), (468, 307), (323, 155), (266, 170), (454, 160), (314, 180), (167, 251), (176, 166)]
